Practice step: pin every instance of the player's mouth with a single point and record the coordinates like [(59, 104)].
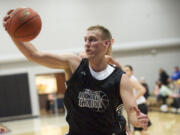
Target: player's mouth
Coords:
[(88, 51)]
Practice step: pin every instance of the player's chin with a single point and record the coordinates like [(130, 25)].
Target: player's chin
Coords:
[(90, 56)]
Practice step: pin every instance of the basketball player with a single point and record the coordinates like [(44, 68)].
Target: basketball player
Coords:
[(94, 89), (121, 121), (138, 91)]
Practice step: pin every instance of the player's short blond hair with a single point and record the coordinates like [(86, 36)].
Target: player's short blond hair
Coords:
[(106, 35)]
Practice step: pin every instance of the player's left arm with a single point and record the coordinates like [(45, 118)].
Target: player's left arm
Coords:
[(136, 118)]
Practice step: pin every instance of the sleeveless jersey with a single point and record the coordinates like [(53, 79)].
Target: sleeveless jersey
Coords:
[(91, 103)]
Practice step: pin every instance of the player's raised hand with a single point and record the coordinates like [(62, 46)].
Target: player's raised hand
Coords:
[(6, 18)]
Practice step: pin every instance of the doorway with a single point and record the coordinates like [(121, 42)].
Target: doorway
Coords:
[(51, 89)]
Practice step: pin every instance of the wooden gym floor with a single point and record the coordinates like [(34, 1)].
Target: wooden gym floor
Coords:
[(162, 124)]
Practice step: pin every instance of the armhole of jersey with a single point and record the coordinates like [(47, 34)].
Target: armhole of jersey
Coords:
[(114, 66), (119, 79), (83, 61)]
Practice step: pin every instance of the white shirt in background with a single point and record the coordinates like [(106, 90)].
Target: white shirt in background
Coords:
[(141, 99)]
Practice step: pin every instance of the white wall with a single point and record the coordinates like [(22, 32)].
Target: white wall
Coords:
[(146, 62), (65, 21)]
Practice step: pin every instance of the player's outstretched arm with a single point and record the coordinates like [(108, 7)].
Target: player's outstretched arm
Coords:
[(136, 118), (43, 58)]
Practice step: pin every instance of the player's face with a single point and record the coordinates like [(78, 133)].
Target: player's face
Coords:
[(128, 71), (94, 44)]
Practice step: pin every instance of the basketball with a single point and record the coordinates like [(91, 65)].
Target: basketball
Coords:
[(25, 24)]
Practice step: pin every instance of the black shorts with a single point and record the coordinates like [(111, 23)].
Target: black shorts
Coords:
[(144, 109)]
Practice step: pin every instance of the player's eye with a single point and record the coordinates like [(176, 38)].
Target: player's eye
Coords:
[(92, 39)]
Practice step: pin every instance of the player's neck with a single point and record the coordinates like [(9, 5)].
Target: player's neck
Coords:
[(98, 65)]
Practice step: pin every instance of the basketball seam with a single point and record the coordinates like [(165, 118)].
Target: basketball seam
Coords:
[(23, 25)]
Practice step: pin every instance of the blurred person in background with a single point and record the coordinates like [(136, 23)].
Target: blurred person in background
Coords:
[(176, 98), (163, 77), (143, 83), (50, 108), (176, 74), (157, 87), (165, 93)]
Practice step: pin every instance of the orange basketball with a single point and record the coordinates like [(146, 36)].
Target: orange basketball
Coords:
[(25, 24)]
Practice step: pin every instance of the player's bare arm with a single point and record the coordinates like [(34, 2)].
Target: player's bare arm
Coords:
[(60, 61), (47, 59), (136, 118)]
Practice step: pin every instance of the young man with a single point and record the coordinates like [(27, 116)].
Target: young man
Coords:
[(121, 123), (138, 91), (94, 89)]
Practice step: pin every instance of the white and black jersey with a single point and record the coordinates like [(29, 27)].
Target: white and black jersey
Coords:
[(91, 104)]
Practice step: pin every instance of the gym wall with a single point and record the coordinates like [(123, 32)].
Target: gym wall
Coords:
[(65, 21)]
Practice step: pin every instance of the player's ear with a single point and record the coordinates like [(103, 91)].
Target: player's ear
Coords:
[(107, 43)]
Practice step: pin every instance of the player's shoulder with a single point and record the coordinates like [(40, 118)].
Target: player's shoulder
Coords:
[(124, 79), (125, 82), (74, 60)]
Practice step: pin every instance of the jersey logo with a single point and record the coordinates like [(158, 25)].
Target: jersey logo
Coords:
[(83, 73), (96, 100)]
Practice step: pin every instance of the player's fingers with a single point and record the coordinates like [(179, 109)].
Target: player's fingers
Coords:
[(143, 120), (6, 18), (142, 117), (10, 11), (145, 128), (143, 125), (4, 24), (136, 110)]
